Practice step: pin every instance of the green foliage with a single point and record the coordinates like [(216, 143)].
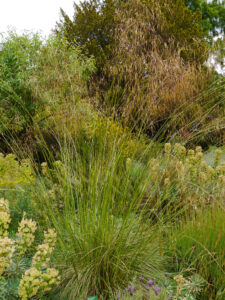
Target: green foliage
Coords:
[(182, 25), (174, 287), (17, 104), (119, 202), (92, 27), (61, 73), (59, 81), (15, 179), (213, 14), (14, 174), (56, 77), (198, 245), (94, 193)]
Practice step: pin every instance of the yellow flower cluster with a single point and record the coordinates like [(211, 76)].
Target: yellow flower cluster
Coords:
[(44, 251), (4, 217), (44, 168), (50, 278), (30, 283), (190, 163), (6, 252), (25, 235), (14, 173), (34, 282), (6, 245)]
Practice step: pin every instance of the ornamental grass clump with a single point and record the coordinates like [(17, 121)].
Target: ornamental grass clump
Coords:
[(104, 241), (197, 245)]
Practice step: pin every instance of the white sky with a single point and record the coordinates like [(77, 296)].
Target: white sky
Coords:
[(36, 15)]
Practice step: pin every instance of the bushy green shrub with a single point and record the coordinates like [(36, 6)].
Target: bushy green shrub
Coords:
[(55, 75), (17, 103), (14, 174)]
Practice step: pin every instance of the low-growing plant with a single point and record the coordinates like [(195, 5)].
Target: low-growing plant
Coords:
[(181, 180), (23, 277), (173, 287)]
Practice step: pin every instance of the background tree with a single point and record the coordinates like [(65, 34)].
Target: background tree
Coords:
[(94, 22), (92, 27), (17, 104), (213, 14)]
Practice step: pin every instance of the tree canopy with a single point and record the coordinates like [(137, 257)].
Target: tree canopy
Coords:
[(94, 23), (213, 14)]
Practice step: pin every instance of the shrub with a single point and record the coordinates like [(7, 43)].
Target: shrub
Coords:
[(92, 27), (13, 173), (17, 104)]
